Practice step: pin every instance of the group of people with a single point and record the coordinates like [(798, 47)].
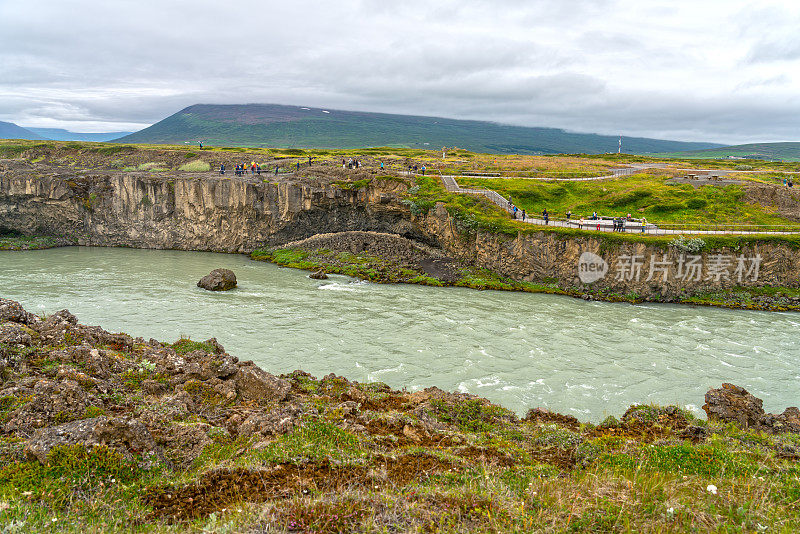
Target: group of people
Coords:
[(241, 169), (788, 182), (351, 163), (415, 169)]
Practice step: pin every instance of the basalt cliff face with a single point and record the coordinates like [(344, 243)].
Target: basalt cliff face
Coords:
[(192, 213)]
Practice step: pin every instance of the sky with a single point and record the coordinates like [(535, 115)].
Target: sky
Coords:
[(725, 71)]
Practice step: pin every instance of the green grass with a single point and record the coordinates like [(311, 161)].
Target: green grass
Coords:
[(185, 345), (196, 166), (642, 195), (27, 243)]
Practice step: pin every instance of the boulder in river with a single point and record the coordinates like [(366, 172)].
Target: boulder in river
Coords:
[(218, 280), (319, 275)]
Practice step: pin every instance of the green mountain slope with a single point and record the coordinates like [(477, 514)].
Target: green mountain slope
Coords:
[(9, 130), (769, 151), (270, 125), (59, 134)]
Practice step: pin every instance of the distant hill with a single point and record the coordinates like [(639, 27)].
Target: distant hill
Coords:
[(59, 134), (9, 130), (768, 151), (271, 125)]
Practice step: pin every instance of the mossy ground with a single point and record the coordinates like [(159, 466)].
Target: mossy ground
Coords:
[(492, 473), (27, 243)]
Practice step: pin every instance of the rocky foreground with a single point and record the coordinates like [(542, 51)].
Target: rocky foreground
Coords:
[(104, 432)]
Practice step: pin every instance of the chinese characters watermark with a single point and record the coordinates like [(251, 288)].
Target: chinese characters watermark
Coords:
[(660, 268)]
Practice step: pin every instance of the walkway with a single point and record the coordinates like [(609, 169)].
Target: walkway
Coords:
[(607, 224)]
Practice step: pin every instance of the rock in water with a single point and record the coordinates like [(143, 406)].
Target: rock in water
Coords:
[(218, 280), (319, 275)]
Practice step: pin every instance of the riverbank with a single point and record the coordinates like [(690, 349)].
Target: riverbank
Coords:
[(101, 431), (382, 258), (18, 243)]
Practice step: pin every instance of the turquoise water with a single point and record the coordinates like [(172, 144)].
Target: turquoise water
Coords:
[(589, 359)]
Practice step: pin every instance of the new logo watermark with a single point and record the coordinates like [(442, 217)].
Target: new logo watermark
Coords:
[(591, 268), (684, 268)]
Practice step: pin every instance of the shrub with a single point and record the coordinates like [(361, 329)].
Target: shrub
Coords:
[(196, 166), (696, 203), (682, 244)]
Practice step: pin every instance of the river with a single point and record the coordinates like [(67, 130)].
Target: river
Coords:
[(588, 359)]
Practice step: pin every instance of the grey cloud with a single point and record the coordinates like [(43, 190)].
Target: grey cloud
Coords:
[(608, 66)]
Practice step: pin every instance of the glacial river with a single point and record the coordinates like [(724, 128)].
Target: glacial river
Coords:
[(589, 359)]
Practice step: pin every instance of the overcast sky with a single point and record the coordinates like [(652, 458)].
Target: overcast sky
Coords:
[(711, 70)]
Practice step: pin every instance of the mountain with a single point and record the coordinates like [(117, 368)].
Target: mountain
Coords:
[(9, 130), (769, 151), (59, 134), (271, 125)]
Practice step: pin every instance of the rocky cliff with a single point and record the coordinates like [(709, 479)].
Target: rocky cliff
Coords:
[(605, 263), (190, 212)]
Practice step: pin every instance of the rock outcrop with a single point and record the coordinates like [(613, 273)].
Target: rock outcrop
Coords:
[(734, 404), (318, 275), (218, 280)]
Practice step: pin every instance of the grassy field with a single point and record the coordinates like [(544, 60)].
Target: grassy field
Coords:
[(648, 195)]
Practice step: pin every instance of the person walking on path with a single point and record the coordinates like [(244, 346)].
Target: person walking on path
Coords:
[(524, 215), (546, 216), (423, 170), (569, 214), (222, 169), (644, 224), (276, 170)]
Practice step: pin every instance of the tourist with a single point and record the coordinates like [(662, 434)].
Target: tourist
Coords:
[(222, 169), (381, 165), (309, 161), (644, 224), (569, 214), (524, 215), (546, 216), (258, 169), (423, 170), (298, 165), (276, 170), (515, 212)]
